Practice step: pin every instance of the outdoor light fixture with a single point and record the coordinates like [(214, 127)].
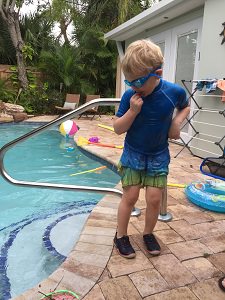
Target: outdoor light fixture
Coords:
[(223, 33)]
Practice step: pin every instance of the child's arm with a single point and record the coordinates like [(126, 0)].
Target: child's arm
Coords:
[(174, 131), (123, 123)]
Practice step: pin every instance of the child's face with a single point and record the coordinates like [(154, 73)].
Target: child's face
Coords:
[(143, 83)]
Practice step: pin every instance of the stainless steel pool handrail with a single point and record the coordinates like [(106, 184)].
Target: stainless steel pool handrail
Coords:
[(79, 110), (97, 102)]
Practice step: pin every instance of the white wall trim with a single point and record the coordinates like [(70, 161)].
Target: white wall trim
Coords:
[(120, 50)]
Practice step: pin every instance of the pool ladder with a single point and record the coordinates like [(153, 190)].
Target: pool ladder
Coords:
[(163, 216)]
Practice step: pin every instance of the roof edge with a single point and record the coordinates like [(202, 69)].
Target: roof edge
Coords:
[(143, 16)]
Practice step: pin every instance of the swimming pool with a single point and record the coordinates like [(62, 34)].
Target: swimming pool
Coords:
[(32, 221)]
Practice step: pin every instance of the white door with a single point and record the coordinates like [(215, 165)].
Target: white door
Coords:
[(163, 40), (180, 46)]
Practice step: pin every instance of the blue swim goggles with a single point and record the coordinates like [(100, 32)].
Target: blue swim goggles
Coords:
[(139, 82)]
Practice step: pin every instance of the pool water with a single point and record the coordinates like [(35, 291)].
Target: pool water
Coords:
[(28, 214)]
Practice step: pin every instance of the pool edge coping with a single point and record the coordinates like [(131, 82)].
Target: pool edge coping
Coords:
[(85, 284)]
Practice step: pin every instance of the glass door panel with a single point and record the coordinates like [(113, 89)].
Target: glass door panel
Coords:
[(163, 40), (180, 46), (185, 64), (185, 46), (186, 51)]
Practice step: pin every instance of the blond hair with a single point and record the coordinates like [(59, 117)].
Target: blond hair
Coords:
[(140, 56)]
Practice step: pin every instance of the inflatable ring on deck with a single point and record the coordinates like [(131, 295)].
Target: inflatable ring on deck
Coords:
[(208, 194)]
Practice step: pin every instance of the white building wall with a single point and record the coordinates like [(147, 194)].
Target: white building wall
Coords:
[(211, 125), (193, 15)]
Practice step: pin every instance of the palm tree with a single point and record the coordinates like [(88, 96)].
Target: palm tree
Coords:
[(100, 63), (112, 13), (36, 30), (100, 56), (62, 65)]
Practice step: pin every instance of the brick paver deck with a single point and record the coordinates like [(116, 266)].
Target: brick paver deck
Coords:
[(193, 243)]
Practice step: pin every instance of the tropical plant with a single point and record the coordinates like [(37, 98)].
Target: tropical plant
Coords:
[(98, 76), (62, 12), (109, 14), (6, 94), (99, 55), (62, 65), (36, 30), (7, 50), (35, 99), (86, 64)]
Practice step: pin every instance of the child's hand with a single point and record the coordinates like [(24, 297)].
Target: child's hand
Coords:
[(174, 131), (136, 103)]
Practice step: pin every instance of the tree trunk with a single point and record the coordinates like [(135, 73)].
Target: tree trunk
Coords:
[(63, 29), (15, 33), (14, 30)]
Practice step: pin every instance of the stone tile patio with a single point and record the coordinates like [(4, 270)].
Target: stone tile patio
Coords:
[(193, 243)]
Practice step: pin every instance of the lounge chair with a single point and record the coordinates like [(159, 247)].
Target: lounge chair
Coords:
[(72, 102), (91, 111)]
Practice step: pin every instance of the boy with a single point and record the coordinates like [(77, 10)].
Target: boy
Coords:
[(146, 114)]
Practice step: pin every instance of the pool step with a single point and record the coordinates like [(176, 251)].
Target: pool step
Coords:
[(60, 236), (34, 249)]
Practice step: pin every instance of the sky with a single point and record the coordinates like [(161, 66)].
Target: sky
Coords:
[(26, 9)]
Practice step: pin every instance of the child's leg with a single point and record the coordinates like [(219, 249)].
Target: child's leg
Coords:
[(153, 200), (121, 239), (129, 198)]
